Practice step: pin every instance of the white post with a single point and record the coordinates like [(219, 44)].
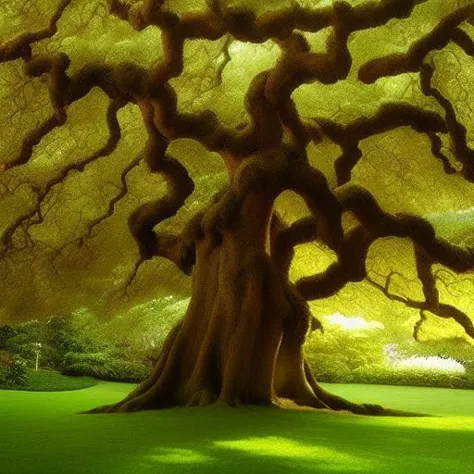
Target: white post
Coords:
[(38, 351)]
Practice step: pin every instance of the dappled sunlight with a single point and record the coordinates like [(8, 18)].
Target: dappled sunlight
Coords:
[(178, 456), (353, 322), (431, 362), (291, 449), (249, 439), (428, 363), (441, 423)]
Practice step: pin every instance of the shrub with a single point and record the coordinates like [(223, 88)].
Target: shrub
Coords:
[(13, 370), (6, 360), (18, 372), (335, 355), (6, 333), (454, 347), (3, 374), (382, 374), (105, 367), (329, 370), (92, 359), (125, 371)]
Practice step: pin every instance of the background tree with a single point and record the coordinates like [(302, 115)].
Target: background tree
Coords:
[(348, 125)]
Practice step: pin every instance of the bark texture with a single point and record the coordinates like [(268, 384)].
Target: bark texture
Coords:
[(241, 340)]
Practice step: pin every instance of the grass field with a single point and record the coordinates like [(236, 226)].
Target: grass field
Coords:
[(51, 381), (41, 433)]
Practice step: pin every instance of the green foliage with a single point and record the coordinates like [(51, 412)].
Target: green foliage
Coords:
[(357, 357), (383, 374), (455, 226), (22, 340), (336, 354), (77, 333), (456, 348), (13, 370), (94, 359), (124, 348), (6, 333), (103, 366)]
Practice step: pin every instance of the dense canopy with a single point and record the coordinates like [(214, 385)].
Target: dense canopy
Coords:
[(378, 93)]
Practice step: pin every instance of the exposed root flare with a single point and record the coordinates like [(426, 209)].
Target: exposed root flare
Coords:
[(240, 342)]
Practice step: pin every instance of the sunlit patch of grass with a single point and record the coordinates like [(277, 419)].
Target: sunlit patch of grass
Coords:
[(179, 456), (47, 435), (451, 423), (279, 447)]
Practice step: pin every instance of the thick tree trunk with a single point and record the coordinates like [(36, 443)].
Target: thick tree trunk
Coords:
[(241, 339)]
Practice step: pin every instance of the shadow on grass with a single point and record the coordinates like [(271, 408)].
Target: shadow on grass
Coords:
[(223, 440)]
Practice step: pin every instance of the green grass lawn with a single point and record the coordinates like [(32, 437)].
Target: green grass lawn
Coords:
[(42, 433), (52, 381)]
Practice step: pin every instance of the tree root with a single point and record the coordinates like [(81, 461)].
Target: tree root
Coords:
[(239, 343)]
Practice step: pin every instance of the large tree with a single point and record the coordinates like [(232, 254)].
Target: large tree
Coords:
[(359, 113)]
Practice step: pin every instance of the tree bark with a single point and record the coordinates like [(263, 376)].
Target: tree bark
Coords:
[(241, 340)]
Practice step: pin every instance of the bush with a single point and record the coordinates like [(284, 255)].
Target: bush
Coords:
[(23, 340), (92, 359), (3, 374), (6, 333), (13, 370), (18, 373), (81, 344), (453, 347), (125, 371), (103, 366), (335, 355), (327, 370), (384, 375)]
